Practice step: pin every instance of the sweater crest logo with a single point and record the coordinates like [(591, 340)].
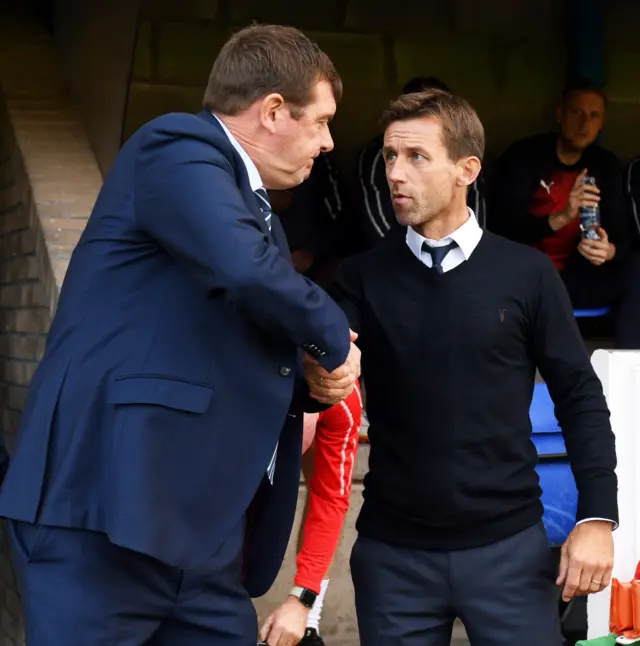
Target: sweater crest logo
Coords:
[(501, 312)]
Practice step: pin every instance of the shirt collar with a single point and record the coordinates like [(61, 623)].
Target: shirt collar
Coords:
[(255, 180), (466, 237)]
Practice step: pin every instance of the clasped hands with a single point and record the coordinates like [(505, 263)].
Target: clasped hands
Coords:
[(333, 387)]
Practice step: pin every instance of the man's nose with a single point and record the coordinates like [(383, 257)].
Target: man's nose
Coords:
[(395, 171), (327, 142)]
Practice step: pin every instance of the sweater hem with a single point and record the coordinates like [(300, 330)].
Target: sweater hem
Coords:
[(388, 529)]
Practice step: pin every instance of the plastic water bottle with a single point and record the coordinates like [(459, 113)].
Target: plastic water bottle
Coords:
[(589, 216)]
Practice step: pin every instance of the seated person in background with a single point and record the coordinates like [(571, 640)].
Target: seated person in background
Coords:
[(330, 446), (375, 210), (315, 219), (536, 195)]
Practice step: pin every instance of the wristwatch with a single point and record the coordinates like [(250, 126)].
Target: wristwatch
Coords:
[(304, 595)]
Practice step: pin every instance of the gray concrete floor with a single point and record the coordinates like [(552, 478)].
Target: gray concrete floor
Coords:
[(459, 638)]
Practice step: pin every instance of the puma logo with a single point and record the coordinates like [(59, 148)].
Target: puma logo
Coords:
[(501, 312), (546, 187)]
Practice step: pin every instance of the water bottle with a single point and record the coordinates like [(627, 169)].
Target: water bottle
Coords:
[(589, 216)]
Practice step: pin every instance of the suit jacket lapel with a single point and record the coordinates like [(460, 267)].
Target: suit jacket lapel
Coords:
[(279, 236), (242, 177)]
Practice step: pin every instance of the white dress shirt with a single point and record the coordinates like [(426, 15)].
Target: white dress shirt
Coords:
[(467, 237), (255, 181)]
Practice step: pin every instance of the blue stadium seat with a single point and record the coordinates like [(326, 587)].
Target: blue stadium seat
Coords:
[(591, 313), (559, 493)]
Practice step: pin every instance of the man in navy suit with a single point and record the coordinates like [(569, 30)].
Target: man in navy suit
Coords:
[(154, 481)]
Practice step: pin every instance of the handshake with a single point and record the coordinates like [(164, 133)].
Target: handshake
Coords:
[(333, 387)]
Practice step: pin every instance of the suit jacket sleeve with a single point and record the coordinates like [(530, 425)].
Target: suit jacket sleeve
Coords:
[(347, 292), (576, 391), (187, 200)]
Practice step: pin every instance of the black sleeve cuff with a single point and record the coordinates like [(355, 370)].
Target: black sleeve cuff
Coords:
[(599, 499)]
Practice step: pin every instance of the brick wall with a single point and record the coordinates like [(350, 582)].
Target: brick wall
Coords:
[(48, 183), (622, 65)]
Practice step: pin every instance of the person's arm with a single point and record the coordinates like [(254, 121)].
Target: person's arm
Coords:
[(187, 199), (512, 186), (583, 415), (580, 405), (346, 290), (336, 445)]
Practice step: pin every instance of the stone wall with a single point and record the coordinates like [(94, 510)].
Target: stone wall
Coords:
[(507, 57), (48, 183)]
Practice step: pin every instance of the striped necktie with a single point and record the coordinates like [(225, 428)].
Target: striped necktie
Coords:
[(265, 207), (264, 204)]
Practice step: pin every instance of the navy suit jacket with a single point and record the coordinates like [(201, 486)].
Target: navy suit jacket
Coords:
[(172, 364)]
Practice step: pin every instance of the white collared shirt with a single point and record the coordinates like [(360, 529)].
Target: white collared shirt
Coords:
[(255, 181), (466, 237)]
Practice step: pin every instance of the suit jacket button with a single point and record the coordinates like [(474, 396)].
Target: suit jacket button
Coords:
[(284, 371)]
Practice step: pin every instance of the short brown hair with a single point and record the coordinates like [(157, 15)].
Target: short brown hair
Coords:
[(263, 59), (462, 131)]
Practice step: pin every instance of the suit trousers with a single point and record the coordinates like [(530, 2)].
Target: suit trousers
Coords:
[(504, 593), (79, 589)]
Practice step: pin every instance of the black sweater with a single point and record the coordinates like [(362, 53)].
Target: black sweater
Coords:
[(449, 366)]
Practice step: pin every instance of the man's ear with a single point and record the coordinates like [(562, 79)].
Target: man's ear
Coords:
[(269, 109), (469, 169)]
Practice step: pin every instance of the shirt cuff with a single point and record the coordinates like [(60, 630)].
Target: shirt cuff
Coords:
[(606, 520)]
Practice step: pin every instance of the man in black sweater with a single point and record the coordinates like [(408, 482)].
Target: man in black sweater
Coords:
[(536, 195), (452, 323)]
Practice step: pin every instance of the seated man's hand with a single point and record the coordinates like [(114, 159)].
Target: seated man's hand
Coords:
[(333, 387), (586, 559), (581, 195), (286, 626), (597, 252)]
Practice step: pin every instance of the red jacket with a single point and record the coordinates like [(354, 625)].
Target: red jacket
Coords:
[(336, 447)]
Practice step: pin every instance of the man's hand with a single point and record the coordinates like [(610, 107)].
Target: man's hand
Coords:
[(333, 387), (286, 626), (580, 195), (302, 260), (586, 559), (598, 252)]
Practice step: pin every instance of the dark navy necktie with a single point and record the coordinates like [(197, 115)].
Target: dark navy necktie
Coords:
[(438, 254), (265, 205)]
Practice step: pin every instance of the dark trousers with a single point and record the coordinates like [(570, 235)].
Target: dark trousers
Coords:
[(616, 285), (78, 589), (504, 593)]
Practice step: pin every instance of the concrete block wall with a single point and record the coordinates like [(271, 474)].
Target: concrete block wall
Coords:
[(506, 57), (49, 180), (622, 65)]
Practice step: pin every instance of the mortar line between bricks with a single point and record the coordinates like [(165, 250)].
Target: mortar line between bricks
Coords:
[(16, 360), (23, 334)]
